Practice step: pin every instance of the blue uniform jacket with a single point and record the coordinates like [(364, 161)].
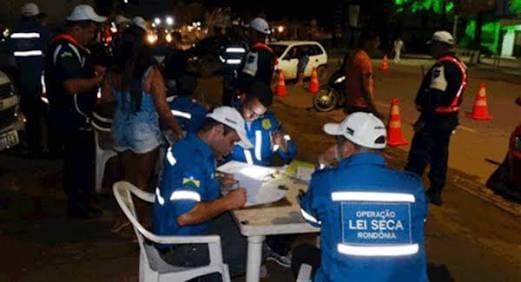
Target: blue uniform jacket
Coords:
[(189, 114), (259, 133), (68, 60), (188, 178), (28, 44), (372, 221)]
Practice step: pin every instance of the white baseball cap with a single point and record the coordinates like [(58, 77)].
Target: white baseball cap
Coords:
[(140, 22), (443, 37), (363, 129), (30, 10), (260, 25), (120, 19), (232, 118), (85, 13)]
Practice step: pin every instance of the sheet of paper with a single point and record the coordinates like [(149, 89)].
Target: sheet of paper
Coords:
[(260, 187), (253, 171)]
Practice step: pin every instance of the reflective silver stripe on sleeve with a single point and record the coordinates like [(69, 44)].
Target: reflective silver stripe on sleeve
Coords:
[(170, 157), (233, 61), (185, 195), (235, 50), (258, 145), (160, 199), (372, 197), (30, 53), (374, 251), (25, 35), (248, 157), (181, 114)]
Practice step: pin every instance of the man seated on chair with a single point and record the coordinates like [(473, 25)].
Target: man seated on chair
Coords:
[(269, 141), (188, 200), (371, 217)]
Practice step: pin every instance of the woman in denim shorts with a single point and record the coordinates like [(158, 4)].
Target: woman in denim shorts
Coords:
[(138, 87)]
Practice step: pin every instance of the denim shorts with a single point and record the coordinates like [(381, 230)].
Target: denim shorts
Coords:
[(140, 135)]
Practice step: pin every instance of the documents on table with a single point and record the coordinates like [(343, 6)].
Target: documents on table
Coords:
[(259, 181)]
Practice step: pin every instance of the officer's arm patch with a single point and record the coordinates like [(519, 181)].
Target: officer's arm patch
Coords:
[(191, 182), (266, 124), (438, 80)]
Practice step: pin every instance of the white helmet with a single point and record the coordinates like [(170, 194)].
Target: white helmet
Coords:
[(363, 129), (260, 25), (30, 10)]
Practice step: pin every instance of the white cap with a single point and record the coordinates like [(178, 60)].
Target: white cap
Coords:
[(443, 37), (260, 25), (120, 19), (363, 129), (140, 22), (232, 118), (85, 13), (30, 10)]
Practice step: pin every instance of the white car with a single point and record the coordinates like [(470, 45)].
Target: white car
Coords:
[(288, 54)]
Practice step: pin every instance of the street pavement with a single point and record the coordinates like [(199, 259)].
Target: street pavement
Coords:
[(473, 237)]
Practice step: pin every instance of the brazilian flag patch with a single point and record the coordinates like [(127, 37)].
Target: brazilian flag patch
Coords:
[(266, 124), (191, 182)]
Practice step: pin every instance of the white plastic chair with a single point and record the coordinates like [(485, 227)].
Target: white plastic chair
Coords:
[(104, 150), (151, 265), (304, 273)]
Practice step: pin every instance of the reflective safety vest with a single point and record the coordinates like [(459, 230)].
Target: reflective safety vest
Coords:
[(455, 104)]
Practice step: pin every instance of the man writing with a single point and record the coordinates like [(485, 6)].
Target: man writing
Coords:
[(188, 202)]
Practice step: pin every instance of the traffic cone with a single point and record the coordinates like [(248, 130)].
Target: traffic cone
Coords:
[(281, 89), (313, 83), (394, 126), (480, 110), (384, 65)]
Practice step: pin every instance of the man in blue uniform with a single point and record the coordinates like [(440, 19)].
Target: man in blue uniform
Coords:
[(187, 201), (28, 42), (189, 114), (72, 82), (263, 129), (371, 217), (438, 101)]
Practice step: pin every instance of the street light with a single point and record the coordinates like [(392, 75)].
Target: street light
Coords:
[(157, 21), (169, 20)]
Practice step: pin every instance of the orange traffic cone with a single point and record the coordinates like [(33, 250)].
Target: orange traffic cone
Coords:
[(281, 89), (313, 83), (480, 110), (384, 65), (394, 126)]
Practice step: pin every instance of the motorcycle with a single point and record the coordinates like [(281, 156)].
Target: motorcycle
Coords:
[(506, 179), (331, 95)]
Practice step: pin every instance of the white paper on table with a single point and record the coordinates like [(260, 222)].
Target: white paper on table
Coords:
[(253, 179)]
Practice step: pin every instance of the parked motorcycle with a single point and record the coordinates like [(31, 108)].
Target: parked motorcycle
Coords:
[(331, 95), (506, 179)]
